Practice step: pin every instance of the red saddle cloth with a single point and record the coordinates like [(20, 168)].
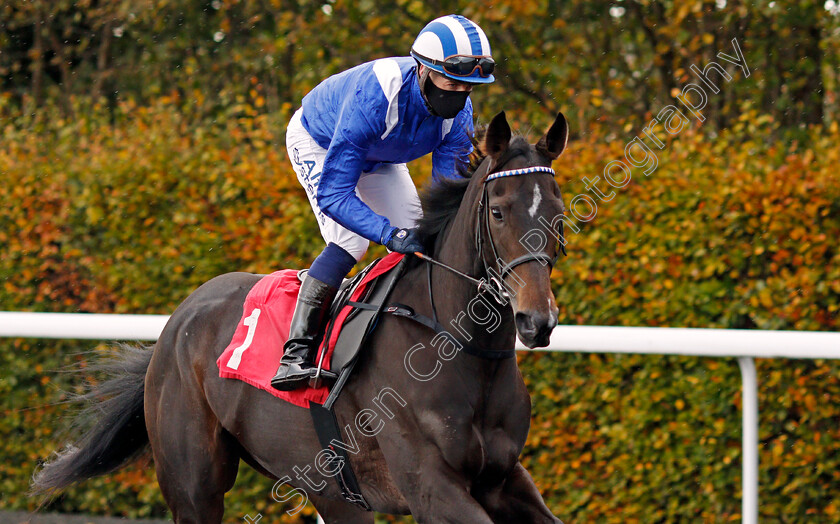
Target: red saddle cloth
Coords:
[(257, 345)]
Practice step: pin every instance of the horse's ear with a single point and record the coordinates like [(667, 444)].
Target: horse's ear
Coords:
[(497, 137), (554, 142)]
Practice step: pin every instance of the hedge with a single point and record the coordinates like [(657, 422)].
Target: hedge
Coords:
[(128, 212)]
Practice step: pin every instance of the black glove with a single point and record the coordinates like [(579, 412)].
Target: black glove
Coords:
[(405, 241)]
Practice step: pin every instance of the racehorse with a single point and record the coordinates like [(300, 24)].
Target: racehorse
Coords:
[(444, 441)]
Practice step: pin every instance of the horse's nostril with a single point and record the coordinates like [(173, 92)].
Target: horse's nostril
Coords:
[(525, 324), (535, 328)]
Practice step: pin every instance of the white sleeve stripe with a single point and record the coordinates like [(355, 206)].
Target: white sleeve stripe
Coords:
[(388, 73), (447, 127)]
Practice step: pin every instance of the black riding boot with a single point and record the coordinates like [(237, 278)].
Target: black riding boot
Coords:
[(305, 332)]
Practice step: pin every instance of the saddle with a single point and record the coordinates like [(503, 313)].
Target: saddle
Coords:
[(257, 343), (257, 346)]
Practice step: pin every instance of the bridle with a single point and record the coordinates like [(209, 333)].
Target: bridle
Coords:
[(496, 288), (496, 275), (493, 284)]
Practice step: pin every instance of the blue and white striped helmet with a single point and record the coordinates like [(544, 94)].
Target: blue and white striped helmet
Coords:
[(457, 48)]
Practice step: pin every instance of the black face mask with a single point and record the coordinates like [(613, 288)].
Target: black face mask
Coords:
[(443, 103)]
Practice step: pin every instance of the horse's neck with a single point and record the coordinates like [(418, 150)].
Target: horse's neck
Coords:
[(452, 294)]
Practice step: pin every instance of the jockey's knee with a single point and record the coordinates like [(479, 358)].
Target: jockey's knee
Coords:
[(332, 265), (356, 247)]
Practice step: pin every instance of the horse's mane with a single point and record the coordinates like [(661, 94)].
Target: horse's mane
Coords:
[(442, 198)]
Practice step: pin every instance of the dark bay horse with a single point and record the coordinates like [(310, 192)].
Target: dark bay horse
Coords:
[(431, 431)]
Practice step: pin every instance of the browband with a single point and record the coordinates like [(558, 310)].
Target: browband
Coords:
[(523, 171)]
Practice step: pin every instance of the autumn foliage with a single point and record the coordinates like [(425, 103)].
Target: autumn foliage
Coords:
[(129, 211), (737, 231), (142, 153)]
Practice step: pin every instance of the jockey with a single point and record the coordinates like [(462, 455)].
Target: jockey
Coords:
[(349, 144)]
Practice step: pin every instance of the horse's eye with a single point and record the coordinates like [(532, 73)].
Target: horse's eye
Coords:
[(496, 212)]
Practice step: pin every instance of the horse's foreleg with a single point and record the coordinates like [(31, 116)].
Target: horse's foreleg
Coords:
[(436, 493), (516, 500)]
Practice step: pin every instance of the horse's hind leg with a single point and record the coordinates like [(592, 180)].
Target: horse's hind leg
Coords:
[(196, 460), (340, 512)]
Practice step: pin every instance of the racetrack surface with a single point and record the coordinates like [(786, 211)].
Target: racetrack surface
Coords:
[(23, 517)]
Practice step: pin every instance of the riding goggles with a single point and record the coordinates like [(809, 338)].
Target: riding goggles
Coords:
[(464, 65)]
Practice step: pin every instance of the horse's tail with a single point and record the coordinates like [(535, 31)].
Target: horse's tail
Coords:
[(112, 424)]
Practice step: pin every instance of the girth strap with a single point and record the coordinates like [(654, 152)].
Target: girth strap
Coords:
[(329, 436), (326, 424)]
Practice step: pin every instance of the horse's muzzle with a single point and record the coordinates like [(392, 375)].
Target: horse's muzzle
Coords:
[(534, 328)]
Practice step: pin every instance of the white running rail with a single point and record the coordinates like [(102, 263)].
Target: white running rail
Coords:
[(745, 345)]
